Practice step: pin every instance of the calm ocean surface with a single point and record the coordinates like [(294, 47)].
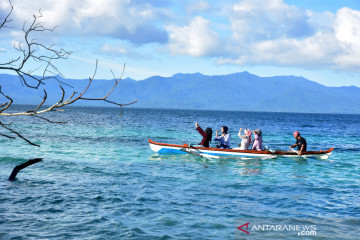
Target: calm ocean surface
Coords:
[(100, 180)]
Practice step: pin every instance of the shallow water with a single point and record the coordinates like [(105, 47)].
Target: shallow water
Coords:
[(100, 180)]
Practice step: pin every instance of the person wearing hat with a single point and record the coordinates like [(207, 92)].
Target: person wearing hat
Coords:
[(300, 143), (257, 144)]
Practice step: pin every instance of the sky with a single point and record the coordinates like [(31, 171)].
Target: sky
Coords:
[(319, 40)]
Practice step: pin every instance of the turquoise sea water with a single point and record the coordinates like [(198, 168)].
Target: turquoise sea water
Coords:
[(100, 180)]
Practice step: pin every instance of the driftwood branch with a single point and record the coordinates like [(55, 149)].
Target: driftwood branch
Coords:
[(18, 168)]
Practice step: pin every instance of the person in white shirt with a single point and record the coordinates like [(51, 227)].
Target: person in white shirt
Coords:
[(224, 138), (245, 139)]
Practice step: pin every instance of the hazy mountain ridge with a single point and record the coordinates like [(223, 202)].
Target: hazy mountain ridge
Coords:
[(238, 91)]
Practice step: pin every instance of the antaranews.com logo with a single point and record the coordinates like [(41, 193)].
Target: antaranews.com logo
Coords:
[(300, 229)]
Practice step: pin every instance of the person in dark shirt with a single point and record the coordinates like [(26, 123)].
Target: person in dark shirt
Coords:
[(207, 135), (300, 143)]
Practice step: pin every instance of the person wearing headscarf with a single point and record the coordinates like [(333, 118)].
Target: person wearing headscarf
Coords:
[(257, 144), (224, 138), (300, 143), (245, 139), (207, 135)]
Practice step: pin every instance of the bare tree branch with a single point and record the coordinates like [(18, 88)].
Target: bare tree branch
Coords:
[(48, 120), (6, 19), (70, 100), (7, 136), (42, 102), (18, 134), (32, 50), (5, 105)]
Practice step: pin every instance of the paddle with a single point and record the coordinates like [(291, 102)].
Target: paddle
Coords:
[(269, 149), (187, 150), (297, 153)]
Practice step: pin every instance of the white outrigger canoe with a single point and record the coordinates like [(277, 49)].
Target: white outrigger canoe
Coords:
[(209, 152)]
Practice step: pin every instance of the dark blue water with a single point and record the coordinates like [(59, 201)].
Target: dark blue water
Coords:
[(100, 180)]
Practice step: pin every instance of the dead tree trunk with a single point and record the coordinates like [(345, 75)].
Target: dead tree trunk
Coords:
[(22, 166)]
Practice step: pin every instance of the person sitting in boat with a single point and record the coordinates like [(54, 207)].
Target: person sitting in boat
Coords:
[(245, 139), (224, 138), (207, 135), (257, 144), (300, 143)]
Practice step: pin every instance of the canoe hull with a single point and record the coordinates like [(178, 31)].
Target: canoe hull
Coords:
[(231, 153), (207, 152), (318, 154), (166, 149)]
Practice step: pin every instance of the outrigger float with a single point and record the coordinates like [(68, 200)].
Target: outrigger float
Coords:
[(234, 152)]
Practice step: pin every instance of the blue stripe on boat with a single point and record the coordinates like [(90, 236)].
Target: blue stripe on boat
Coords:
[(170, 150)]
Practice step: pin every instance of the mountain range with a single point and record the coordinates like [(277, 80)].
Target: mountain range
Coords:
[(237, 92)]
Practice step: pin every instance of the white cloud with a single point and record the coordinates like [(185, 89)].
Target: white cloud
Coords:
[(117, 18), (347, 26), (274, 33), (254, 20), (195, 40), (114, 50), (291, 51), (105, 16), (54, 12), (197, 6), (76, 13), (347, 32), (257, 31)]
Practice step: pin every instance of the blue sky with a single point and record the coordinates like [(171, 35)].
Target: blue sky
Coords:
[(319, 40)]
